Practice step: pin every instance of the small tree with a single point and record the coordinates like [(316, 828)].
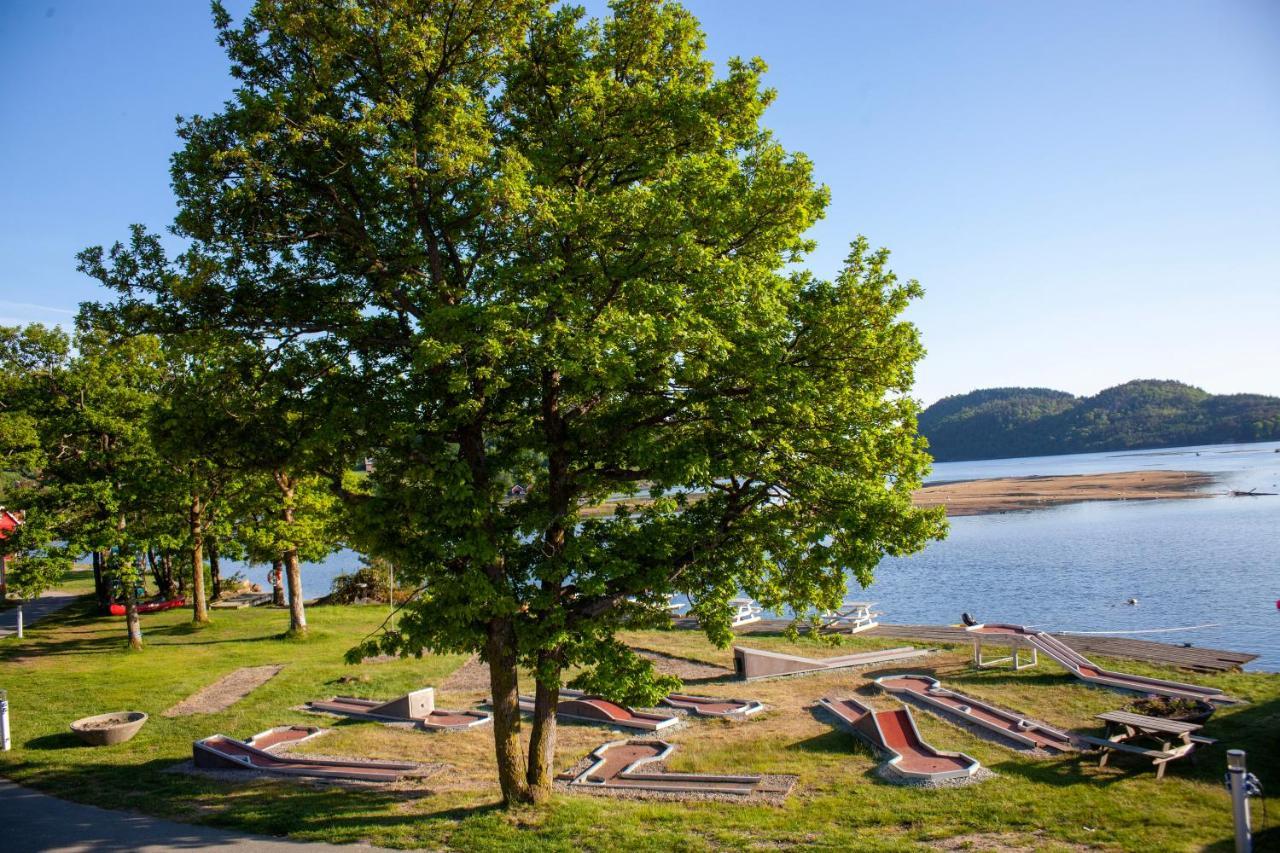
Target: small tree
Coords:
[(37, 564), (287, 528)]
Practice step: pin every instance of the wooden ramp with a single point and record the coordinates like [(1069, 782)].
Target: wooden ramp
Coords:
[(1165, 654), (754, 664), (1195, 658)]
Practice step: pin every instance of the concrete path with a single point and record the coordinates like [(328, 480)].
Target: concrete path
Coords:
[(32, 611), (31, 822)]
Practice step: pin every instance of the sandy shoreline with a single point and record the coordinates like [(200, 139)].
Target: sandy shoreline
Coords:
[(1010, 494)]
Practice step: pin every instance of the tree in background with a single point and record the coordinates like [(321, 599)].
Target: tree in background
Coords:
[(286, 529), (98, 477), (532, 248), (37, 561), (30, 357)]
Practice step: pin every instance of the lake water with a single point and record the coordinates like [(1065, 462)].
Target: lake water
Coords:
[(1213, 561), (1210, 561)]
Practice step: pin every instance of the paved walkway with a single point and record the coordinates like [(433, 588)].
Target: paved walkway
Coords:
[(32, 611), (31, 822)]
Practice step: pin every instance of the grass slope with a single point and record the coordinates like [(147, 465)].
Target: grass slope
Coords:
[(73, 665)]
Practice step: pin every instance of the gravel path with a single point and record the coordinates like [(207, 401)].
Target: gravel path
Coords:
[(224, 692), (33, 611)]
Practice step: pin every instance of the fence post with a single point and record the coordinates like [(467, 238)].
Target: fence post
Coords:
[(4, 719), (1239, 800)]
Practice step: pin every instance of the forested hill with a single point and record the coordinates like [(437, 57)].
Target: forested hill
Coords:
[(995, 423)]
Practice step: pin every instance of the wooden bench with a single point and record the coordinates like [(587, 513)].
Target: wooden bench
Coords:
[(1159, 758)]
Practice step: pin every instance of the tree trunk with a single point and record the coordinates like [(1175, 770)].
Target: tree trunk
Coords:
[(166, 557), (199, 609), (215, 570), (293, 577), (131, 620), (277, 583), (162, 571), (101, 586), (500, 652), (542, 739), (292, 571)]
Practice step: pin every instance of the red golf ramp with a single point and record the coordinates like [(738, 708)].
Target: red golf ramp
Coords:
[(894, 733), (628, 764), (1086, 670), (709, 706), (581, 707), (220, 752), (1009, 726), (418, 707)]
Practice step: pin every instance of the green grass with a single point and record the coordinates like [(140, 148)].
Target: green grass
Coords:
[(73, 665)]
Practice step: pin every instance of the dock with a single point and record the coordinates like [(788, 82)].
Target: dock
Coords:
[(241, 600), (1196, 658)]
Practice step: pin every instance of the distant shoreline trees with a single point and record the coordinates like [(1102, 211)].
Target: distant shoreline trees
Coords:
[(999, 423)]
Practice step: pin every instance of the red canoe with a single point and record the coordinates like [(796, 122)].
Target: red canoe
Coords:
[(151, 606)]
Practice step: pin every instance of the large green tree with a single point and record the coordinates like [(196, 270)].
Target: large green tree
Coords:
[(540, 249)]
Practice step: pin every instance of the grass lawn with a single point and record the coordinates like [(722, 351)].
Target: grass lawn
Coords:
[(73, 665)]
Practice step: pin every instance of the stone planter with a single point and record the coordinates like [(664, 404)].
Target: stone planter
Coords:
[(109, 729)]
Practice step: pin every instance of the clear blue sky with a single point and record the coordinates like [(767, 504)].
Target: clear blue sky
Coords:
[(1089, 192)]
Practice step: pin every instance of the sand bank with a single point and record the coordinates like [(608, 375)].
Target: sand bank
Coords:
[(1006, 494)]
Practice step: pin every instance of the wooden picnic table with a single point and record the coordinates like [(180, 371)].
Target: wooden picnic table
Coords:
[(1125, 725), (1175, 738)]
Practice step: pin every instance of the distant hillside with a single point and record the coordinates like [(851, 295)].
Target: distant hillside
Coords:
[(995, 423)]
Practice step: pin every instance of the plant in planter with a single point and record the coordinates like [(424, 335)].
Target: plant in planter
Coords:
[(1183, 710)]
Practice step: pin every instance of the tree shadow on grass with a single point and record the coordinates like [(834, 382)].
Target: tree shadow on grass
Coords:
[(62, 740), (260, 804)]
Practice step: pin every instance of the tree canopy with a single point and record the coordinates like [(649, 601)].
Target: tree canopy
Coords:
[(527, 247)]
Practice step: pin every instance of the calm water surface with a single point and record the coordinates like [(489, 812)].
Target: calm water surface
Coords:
[(1072, 568), (1193, 562)]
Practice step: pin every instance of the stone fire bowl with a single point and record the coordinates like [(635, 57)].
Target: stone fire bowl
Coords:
[(109, 729)]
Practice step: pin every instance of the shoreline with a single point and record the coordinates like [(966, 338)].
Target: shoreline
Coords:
[(1016, 494)]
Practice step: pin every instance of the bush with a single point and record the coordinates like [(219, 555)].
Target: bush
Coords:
[(230, 585), (376, 578)]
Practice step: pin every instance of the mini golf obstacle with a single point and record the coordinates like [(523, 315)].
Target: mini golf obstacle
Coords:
[(709, 706), (753, 664), (894, 733), (1006, 725), (624, 765), (581, 707), (418, 707), (284, 736), (220, 752), (1080, 666)]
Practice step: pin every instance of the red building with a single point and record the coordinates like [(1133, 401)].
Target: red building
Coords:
[(8, 521)]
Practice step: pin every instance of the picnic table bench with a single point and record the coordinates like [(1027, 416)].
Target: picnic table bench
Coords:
[(854, 615), (1175, 738)]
